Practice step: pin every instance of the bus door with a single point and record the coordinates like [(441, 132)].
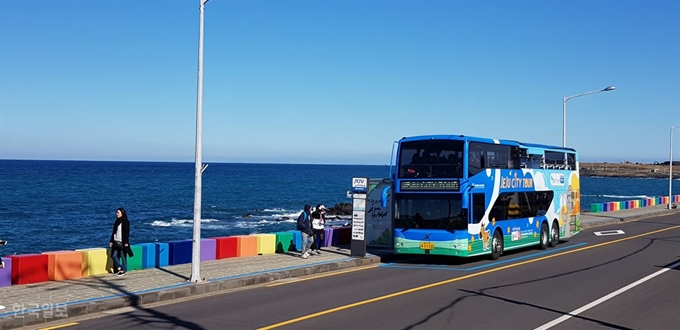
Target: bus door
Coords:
[(477, 208)]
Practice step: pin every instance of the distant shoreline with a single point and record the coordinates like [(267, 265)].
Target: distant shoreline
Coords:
[(628, 170)]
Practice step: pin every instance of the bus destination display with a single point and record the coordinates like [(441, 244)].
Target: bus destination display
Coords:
[(453, 185)]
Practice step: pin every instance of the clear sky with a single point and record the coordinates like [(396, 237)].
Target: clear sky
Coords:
[(334, 82)]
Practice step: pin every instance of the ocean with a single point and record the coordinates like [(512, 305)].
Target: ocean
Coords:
[(66, 205)]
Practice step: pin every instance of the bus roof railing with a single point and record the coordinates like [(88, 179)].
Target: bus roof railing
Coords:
[(485, 140)]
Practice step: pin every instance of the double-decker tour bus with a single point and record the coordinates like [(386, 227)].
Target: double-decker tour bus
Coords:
[(465, 196)]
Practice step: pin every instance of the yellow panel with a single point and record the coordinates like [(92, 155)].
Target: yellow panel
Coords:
[(94, 261), (266, 243)]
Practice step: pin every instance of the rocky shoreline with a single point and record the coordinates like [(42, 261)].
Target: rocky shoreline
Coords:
[(628, 170)]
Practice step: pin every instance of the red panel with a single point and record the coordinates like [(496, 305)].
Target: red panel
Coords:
[(29, 268), (227, 247)]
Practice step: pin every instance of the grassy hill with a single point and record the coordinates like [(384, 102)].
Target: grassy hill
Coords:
[(628, 170)]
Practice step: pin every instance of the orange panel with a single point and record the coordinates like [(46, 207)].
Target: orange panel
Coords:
[(247, 245), (64, 265)]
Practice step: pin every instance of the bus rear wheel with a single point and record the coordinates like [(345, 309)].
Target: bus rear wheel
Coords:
[(496, 245), (554, 235), (543, 244)]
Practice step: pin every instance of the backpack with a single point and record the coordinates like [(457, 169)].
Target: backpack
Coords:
[(302, 218)]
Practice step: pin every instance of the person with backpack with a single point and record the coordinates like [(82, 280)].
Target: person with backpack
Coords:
[(304, 225)]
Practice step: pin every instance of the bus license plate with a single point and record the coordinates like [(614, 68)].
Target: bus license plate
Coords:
[(427, 245)]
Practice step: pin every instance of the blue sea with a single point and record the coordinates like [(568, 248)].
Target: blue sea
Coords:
[(66, 205)]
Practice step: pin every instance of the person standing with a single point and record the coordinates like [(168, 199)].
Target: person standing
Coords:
[(120, 242), (2, 263), (305, 227), (318, 222)]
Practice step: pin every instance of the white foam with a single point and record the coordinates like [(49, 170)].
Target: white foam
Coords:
[(620, 196), (276, 209), (179, 222)]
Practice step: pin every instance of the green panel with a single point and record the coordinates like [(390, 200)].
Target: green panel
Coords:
[(135, 262), (595, 207), (284, 242)]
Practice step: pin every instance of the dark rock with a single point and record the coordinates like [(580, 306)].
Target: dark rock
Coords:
[(340, 209)]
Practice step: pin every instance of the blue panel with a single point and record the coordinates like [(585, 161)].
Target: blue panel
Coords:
[(148, 255), (180, 252), (162, 254)]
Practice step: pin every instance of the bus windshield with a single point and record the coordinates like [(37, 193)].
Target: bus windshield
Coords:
[(431, 159), (430, 211)]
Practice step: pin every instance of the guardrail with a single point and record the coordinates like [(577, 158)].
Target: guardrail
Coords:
[(633, 204)]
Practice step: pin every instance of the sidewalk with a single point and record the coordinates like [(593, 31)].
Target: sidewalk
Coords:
[(33, 304), (589, 220)]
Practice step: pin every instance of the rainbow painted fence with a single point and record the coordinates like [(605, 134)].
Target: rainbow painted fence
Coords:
[(633, 204), (61, 265)]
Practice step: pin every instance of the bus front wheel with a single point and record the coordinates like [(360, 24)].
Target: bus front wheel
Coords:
[(496, 245), (544, 236)]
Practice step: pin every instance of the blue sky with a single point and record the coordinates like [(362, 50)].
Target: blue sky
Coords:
[(334, 82)]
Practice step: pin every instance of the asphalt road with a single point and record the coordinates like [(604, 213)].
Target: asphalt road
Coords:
[(627, 280)]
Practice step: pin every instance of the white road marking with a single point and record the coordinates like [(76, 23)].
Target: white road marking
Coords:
[(609, 232), (121, 310), (605, 298)]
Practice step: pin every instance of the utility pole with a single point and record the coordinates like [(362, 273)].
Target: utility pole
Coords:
[(196, 251)]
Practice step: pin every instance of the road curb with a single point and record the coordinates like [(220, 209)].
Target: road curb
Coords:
[(606, 220), (188, 289)]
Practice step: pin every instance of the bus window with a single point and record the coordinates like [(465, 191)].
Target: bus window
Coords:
[(486, 155), (534, 161), (514, 209), (430, 211), (431, 159), (516, 205), (571, 161), (554, 159), (542, 201)]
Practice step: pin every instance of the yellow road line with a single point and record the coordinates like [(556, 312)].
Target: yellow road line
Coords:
[(60, 326), (432, 285), (323, 275)]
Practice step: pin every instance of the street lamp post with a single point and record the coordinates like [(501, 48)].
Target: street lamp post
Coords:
[(196, 248), (564, 111), (670, 171)]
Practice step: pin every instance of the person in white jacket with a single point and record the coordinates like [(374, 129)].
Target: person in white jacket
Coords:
[(318, 223), (2, 263)]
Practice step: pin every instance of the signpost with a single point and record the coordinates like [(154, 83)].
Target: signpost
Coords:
[(359, 193)]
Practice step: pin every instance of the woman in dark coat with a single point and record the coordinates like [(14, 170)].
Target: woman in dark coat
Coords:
[(120, 242)]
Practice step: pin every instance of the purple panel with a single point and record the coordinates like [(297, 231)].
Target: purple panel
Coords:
[(208, 249), (6, 273), (328, 237)]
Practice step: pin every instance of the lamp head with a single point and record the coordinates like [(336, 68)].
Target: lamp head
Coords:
[(609, 88)]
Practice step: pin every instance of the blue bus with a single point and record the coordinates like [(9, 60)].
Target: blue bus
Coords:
[(465, 196)]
